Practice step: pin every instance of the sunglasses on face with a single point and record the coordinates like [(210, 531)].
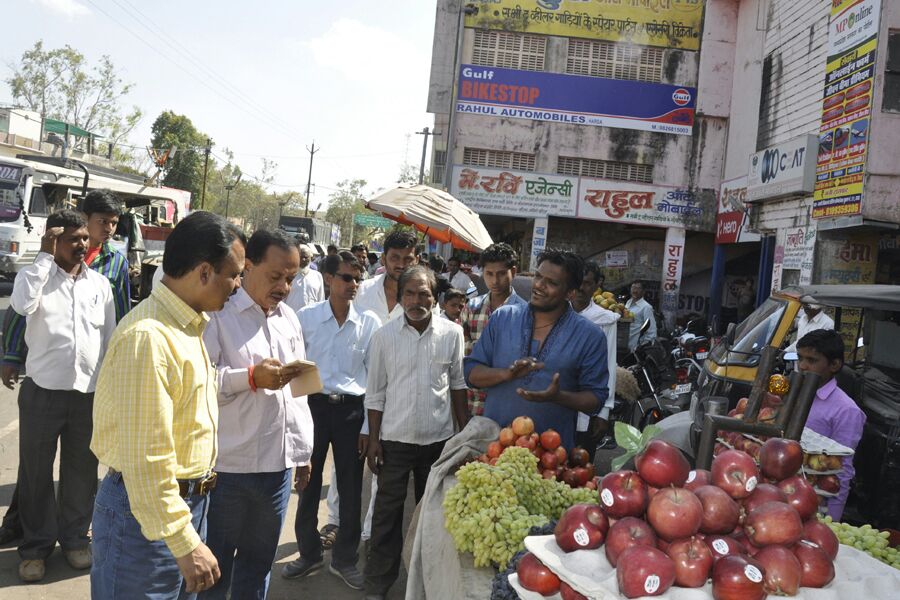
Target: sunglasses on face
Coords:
[(348, 278)]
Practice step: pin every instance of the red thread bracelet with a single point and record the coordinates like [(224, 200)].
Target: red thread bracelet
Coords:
[(250, 378)]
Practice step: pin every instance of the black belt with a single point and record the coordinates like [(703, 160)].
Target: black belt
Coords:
[(337, 398), (200, 486)]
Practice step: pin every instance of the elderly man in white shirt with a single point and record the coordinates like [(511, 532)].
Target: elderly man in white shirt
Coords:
[(308, 287), (589, 431), (810, 319), (642, 312), (70, 316), (264, 430), (415, 389)]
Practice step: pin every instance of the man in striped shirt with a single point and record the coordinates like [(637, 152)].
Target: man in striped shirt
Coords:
[(102, 208)]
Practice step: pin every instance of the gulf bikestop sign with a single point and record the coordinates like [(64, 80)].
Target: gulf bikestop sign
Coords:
[(581, 100)]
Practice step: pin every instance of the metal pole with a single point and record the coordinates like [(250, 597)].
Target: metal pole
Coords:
[(205, 172), (460, 30), (227, 199), (312, 152), (422, 163)]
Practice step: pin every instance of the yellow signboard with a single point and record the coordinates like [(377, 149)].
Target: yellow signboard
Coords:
[(664, 23)]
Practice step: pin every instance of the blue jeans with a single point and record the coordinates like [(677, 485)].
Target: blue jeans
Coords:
[(127, 565), (246, 513)]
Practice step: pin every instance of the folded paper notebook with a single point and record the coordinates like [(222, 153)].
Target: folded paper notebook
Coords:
[(308, 381)]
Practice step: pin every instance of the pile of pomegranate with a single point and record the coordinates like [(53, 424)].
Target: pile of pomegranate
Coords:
[(572, 468), (751, 529)]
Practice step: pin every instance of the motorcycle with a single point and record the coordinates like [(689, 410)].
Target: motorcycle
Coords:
[(663, 381)]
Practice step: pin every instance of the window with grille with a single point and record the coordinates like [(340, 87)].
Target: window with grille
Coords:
[(604, 169), (509, 50), (437, 167), (499, 159), (891, 97), (614, 61)]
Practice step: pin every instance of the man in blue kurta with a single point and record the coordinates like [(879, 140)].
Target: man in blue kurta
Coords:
[(542, 359)]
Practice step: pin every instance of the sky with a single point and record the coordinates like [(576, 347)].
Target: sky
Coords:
[(263, 78)]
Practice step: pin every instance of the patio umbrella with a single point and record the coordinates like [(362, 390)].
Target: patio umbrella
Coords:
[(434, 213)]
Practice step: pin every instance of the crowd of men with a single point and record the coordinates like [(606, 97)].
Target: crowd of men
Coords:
[(189, 399)]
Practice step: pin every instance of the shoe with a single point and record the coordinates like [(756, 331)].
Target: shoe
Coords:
[(31, 570), (301, 568), (80, 559), (8, 534), (350, 574)]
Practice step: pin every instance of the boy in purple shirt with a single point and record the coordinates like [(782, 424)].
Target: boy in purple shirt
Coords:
[(833, 414)]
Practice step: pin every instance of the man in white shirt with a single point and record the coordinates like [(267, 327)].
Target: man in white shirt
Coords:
[(415, 389), (70, 316), (457, 278), (811, 318), (588, 430), (642, 312), (337, 339), (308, 287), (362, 256), (264, 430)]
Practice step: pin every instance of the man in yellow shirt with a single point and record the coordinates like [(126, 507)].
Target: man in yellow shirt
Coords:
[(155, 418)]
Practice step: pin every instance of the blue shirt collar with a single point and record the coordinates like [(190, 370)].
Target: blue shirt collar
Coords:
[(328, 313)]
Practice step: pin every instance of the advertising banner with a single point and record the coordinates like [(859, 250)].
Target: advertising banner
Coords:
[(732, 217), (616, 259), (577, 99), (373, 221), (624, 202), (783, 170), (673, 263), (504, 192), (846, 108), (538, 240), (665, 23)]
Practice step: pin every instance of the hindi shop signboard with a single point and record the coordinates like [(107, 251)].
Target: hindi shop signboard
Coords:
[(732, 217), (662, 23), (783, 170), (624, 202), (577, 99), (520, 194), (846, 108)]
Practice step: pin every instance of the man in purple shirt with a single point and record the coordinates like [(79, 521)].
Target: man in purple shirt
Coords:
[(833, 414)]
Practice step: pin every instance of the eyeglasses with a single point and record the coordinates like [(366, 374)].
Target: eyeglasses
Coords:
[(348, 278)]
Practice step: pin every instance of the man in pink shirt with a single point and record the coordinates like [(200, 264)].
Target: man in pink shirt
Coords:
[(833, 414)]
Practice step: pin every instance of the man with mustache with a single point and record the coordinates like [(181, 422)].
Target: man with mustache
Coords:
[(264, 430), (70, 315), (308, 286), (415, 389)]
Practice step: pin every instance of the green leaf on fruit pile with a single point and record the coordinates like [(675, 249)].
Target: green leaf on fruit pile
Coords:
[(650, 432), (632, 441)]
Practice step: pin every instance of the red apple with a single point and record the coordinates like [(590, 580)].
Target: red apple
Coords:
[(525, 441), (569, 593), (735, 472), (741, 537), (780, 458), (625, 533), (675, 513), (550, 440), (494, 449), (538, 452), (581, 527), (661, 464), (693, 562), (773, 523), (644, 571), (738, 578), (662, 544), (801, 495), (561, 455), (535, 576), (821, 535), (721, 546), (582, 475), (818, 570), (579, 457), (782, 570), (549, 460), (507, 437), (764, 492), (548, 473), (697, 478), (522, 426), (570, 478), (766, 414), (623, 494), (651, 491), (720, 512), (829, 483)]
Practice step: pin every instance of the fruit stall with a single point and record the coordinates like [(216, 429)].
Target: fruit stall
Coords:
[(524, 518)]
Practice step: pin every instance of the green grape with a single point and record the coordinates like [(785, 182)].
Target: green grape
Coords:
[(865, 538)]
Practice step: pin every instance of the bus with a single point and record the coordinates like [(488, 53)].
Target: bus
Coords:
[(32, 187)]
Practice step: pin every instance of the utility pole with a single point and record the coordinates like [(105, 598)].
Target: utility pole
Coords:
[(425, 132), (228, 189), (312, 152), (205, 172)]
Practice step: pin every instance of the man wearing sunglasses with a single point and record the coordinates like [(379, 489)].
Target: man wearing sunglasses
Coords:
[(337, 337)]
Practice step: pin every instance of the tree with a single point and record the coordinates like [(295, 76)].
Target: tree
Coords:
[(185, 169), (59, 84), (343, 204)]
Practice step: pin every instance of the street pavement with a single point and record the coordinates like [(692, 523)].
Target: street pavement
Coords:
[(64, 583)]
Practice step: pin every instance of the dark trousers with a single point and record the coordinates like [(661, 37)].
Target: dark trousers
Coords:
[(386, 544), (45, 418), (337, 425), (11, 519)]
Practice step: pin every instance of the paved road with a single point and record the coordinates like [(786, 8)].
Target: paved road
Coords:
[(64, 583)]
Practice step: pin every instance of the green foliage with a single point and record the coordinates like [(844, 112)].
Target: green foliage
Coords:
[(185, 169), (345, 202), (631, 440)]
